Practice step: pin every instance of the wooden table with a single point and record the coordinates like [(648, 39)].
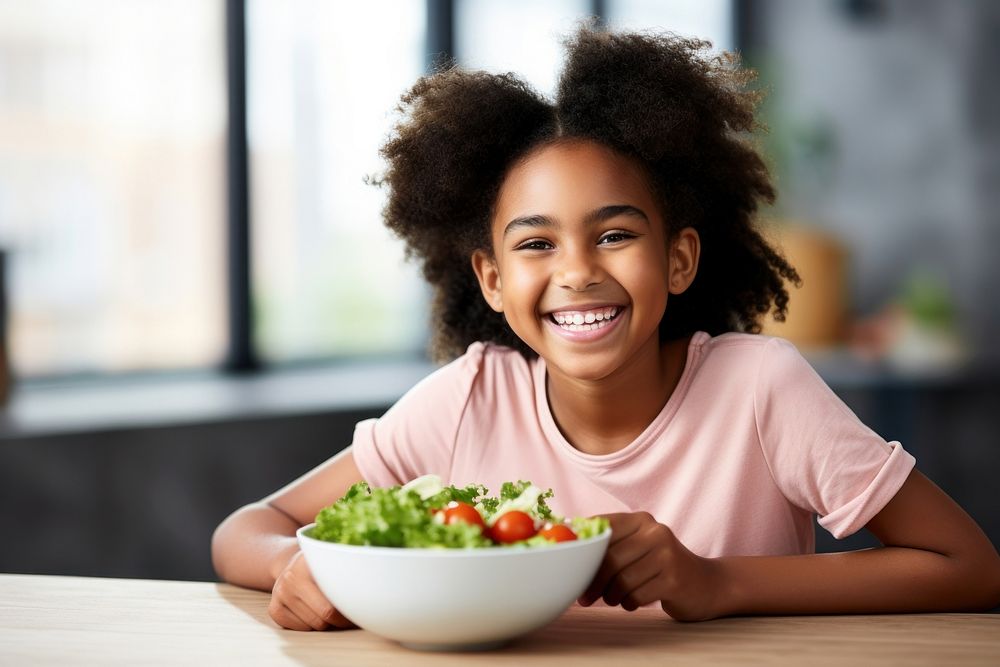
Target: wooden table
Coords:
[(74, 620)]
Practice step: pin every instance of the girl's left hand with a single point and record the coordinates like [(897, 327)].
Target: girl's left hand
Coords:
[(646, 563)]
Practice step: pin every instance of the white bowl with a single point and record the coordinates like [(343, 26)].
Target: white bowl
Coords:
[(452, 599)]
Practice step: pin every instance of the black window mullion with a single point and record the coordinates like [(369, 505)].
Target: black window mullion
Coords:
[(440, 33), (241, 355), (745, 29), (599, 10)]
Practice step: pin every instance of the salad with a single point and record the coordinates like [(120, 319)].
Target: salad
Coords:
[(423, 513)]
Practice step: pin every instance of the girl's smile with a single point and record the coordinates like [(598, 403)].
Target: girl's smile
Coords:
[(585, 323), (582, 267)]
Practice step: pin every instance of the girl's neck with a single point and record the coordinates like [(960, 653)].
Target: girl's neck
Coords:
[(604, 416)]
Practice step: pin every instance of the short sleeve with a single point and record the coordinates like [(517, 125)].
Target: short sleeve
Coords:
[(821, 456), (416, 436)]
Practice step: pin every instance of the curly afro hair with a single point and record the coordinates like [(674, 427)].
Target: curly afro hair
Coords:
[(686, 118)]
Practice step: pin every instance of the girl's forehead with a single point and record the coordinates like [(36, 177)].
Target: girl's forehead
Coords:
[(575, 156), (570, 176)]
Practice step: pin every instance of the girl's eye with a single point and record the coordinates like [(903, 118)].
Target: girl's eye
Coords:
[(616, 237), (533, 244)]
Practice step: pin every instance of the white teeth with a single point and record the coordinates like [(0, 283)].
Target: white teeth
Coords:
[(594, 319), (585, 327)]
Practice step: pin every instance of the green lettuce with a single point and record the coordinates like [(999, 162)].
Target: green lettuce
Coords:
[(384, 517), (400, 517)]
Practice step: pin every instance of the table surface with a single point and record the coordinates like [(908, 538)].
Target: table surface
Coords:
[(80, 620)]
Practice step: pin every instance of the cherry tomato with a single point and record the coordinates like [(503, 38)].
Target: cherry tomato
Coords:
[(558, 533), (513, 526), (464, 513)]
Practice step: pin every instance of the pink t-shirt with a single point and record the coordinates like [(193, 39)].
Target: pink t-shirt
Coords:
[(751, 444)]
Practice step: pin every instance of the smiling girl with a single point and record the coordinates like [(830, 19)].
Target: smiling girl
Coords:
[(599, 278)]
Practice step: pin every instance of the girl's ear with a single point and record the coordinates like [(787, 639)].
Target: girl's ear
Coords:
[(489, 279), (684, 253)]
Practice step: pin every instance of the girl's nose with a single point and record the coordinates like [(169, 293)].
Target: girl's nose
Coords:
[(578, 270)]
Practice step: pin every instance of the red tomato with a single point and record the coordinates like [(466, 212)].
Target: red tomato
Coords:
[(558, 533), (463, 512), (513, 526)]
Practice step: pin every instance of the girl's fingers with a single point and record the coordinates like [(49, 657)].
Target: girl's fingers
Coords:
[(298, 614), (619, 556), (302, 611), (306, 590), (287, 608), (319, 605), (308, 613), (624, 525), (643, 595), (632, 578), (298, 604), (285, 617), (337, 620)]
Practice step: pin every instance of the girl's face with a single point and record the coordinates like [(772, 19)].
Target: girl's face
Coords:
[(581, 267)]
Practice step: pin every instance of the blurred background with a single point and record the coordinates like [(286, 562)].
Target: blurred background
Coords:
[(198, 300)]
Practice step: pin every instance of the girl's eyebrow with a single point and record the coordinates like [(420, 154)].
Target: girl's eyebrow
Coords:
[(594, 217), (608, 212)]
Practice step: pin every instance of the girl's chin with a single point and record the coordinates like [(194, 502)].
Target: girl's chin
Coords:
[(588, 369)]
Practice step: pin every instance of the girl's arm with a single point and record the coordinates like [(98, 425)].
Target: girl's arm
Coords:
[(935, 558), (256, 545)]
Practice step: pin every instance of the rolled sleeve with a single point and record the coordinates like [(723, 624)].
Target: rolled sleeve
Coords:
[(821, 456), (852, 516)]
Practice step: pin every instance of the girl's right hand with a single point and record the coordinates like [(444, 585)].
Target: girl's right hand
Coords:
[(298, 604)]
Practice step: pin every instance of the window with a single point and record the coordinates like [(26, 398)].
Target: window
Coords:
[(705, 19), (323, 80), (112, 137), (523, 36), (520, 36)]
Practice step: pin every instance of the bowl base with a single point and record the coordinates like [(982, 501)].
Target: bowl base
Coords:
[(452, 648)]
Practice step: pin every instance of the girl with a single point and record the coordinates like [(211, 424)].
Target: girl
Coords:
[(599, 277)]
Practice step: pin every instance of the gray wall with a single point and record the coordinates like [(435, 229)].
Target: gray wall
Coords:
[(144, 502), (904, 98)]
